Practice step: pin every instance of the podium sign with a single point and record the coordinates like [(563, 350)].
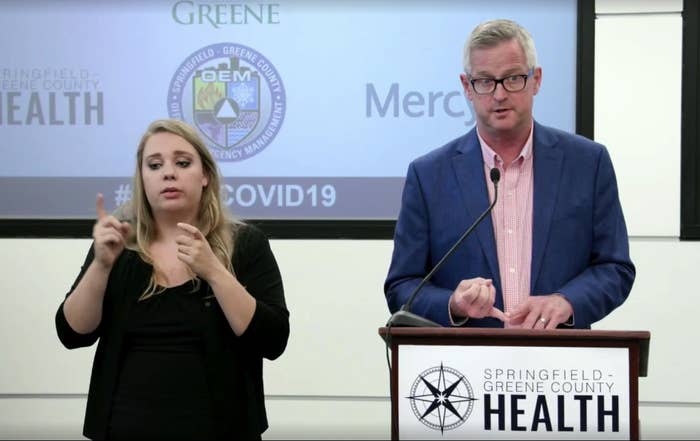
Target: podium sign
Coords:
[(501, 392), (460, 383)]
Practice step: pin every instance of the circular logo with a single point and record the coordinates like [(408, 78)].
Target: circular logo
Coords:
[(442, 398), (233, 95)]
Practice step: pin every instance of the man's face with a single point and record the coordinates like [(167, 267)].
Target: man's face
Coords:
[(502, 113)]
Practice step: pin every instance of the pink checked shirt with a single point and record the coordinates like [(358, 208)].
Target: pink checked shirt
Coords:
[(512, 220)]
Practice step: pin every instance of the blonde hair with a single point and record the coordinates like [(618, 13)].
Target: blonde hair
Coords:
[(490, 33), (214, 223)]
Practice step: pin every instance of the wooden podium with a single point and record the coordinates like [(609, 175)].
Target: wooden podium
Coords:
[(556, 384)]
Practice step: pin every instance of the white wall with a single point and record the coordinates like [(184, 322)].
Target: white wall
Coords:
[(333, 380)]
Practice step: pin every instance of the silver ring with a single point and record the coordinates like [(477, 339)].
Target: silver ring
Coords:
[(543, 320)]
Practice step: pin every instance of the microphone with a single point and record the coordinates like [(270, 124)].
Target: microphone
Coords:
[(404, 316)]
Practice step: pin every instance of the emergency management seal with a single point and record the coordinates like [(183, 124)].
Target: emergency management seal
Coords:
[(233, 95)]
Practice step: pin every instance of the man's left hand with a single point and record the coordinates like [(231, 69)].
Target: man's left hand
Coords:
[(540, 312)]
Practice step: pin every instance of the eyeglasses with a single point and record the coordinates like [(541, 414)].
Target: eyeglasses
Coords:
[(512, 83)]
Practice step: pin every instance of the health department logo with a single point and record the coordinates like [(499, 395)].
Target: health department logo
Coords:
[(442, 398), (233, 95)]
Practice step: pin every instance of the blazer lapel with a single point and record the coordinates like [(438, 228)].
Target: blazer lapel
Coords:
[(547, 170), (468, 166)]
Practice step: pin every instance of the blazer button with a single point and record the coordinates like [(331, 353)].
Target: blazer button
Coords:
[(207, 303)]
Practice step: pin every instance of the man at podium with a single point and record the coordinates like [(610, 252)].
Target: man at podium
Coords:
[(553, 250)]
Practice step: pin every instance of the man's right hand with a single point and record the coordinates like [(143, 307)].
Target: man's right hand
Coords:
[(109, 234), (474, 298)]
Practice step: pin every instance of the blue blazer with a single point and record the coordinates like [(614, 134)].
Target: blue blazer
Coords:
[(580, 246)]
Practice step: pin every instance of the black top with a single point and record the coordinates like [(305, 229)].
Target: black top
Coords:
[(220, 374), (162, 391)]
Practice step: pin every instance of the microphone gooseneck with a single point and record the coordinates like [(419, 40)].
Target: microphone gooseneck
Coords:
[(404, 316)]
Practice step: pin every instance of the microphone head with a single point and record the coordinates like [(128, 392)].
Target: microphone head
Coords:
[(495, 175)]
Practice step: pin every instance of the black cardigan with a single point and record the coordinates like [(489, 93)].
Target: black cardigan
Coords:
[(233, 364)]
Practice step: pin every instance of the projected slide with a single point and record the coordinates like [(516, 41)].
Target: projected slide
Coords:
[(313, 109)]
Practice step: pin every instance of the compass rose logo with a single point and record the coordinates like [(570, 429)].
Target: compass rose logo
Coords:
[(442, 398)]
